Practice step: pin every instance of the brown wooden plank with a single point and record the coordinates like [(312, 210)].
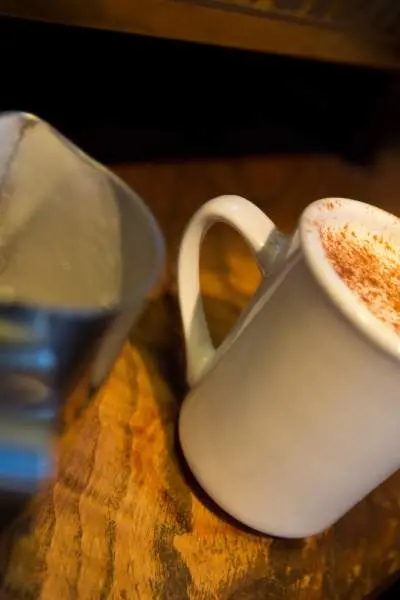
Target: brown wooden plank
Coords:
[(220, 23)]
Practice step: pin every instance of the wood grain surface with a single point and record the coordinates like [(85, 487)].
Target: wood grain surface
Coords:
[(124, 519), (250, 24)]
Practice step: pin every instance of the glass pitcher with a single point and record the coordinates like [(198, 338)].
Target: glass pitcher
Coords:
[(79, 252)]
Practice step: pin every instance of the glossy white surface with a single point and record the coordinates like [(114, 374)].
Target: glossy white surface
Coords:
[(297, 417)]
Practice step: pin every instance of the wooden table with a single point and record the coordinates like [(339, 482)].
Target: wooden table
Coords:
[(125, 520), (363, 33)]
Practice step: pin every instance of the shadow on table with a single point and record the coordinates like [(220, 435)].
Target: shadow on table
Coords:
[(205, 499), (389, 590), (160, 330)]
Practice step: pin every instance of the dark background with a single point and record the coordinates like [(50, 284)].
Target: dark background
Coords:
[(124, 97)]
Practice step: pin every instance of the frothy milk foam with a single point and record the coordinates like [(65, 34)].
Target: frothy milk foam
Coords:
[(369, 264), (59, 227)]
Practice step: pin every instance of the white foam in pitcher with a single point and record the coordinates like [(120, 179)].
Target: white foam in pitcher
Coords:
[(59, 224)]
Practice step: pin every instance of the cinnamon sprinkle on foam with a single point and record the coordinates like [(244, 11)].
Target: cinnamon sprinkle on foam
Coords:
[(370, 267)]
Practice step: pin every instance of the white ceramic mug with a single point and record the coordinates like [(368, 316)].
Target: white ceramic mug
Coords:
[(296, 417)]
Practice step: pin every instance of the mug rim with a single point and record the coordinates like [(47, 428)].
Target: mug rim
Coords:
[(342, 297)]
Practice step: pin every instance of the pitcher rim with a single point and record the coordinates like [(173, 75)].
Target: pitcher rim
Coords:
[(159, 243)]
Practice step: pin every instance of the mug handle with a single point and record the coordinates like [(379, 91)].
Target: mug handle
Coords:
[(263, 238)]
